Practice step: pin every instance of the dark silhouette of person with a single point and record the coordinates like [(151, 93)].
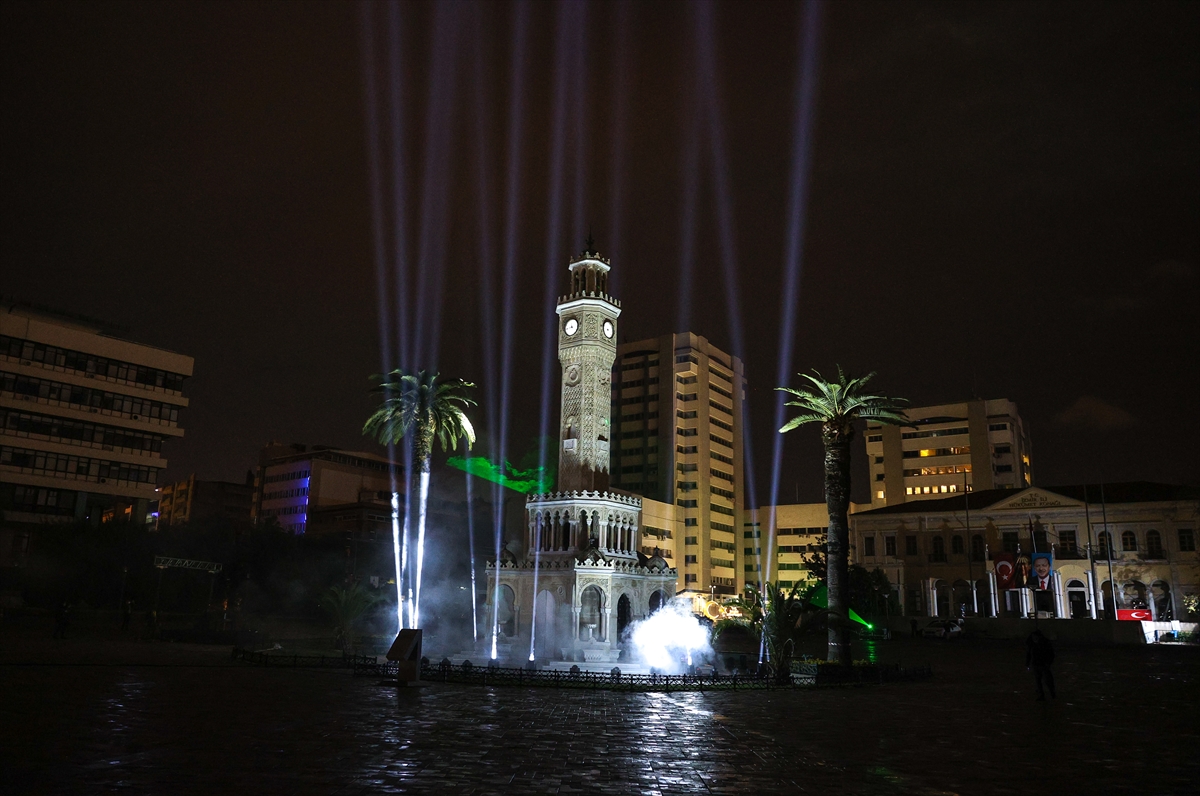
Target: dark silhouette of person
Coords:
[(913, 624), (1039, 655), (1022, 574), (126, 615)]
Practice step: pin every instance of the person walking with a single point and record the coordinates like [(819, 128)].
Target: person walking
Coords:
[(1039, 655)]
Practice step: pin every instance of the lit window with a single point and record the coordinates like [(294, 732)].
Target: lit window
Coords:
[(879, 495), (926, 490), (954, 487), (908, 490)]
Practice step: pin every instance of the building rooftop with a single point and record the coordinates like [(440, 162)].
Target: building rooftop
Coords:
[(1123, 492)]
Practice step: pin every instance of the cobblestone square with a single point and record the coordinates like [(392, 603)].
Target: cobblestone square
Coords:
[(161, 718)]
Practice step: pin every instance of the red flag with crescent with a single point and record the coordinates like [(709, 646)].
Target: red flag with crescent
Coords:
[(1134, 614), (1004, 570)]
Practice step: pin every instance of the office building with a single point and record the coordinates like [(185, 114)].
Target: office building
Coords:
[(799, 539), (973, 445), (84, 415), (292, 482), (184, 501), (677, 413)]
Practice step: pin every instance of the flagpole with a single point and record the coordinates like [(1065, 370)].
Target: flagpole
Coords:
[(1112, 584), (1087, 522), (970, 546)]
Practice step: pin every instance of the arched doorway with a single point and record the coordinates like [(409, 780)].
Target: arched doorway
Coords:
[(624, 614), (544, 631), (961, 596), (1164, 610), (590, 603), (657, 600), (983, 593), (1077, 599), (1136, 595)]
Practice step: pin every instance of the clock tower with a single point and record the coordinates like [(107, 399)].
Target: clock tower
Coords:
[(587, 346)]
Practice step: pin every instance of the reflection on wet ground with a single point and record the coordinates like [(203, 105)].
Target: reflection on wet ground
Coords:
[(1124, 721)]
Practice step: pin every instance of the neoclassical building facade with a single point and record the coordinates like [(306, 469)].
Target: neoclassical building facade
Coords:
[(948, 556), (580, 577)]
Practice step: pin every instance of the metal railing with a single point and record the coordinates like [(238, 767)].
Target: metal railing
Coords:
[(268, 658), (803, 675)]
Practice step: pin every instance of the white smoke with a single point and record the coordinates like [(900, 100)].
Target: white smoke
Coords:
[(670, 638)]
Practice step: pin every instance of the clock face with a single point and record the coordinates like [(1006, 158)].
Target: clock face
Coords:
[(571, 326), (608, 329)]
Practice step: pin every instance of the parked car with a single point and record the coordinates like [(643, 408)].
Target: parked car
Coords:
[(942, 628)]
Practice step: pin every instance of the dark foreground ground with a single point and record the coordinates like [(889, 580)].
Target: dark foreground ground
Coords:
[(96, 715)]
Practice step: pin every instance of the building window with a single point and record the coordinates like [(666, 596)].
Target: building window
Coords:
[(956, 545), (869, 546), (889, 545), (1129, 542), (939, 549), (977, 548), (879, 495), (1004, 468), (751, 534), (1104, 539), (689, 559), (875, 438), (1066, 542), (878, 476), (689, 578), (689, 540), (879, 460), (1187, 541), (1041, 542), (752, 551), (910, 545), (1004, 449), (1008, 540), (1154, 548), (998, 427), (691, 522)]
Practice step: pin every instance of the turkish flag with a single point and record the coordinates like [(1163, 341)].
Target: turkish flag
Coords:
[(1004, 570), (1135, 614)]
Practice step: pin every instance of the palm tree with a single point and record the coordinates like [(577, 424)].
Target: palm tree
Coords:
[(771, 618), (346, 608), (418, 406), (836, 405)]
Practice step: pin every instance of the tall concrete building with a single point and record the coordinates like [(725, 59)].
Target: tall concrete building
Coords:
[(83, 418), (677, 409), (973, 445), (292, 482)]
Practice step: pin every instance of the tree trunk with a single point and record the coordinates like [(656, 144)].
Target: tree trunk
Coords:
[(837, 502), (423, 501)]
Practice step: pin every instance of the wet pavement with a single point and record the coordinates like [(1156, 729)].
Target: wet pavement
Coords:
[(166, 718)]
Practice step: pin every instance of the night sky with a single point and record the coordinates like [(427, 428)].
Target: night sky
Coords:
[(1003, 201)]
